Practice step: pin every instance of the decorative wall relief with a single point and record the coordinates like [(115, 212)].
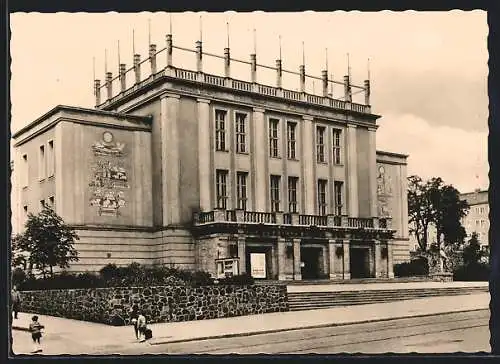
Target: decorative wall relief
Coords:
[(109, 178), (384, 191)]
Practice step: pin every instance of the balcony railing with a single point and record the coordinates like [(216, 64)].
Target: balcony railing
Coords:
[(279, 218)]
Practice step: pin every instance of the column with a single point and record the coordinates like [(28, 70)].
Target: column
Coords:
[(331, 258), (309, 186), (242, 254), (109, 84), (281, 258), (404, 204), (170, 158), (373, 171), (204, 153), (260, 155), (346, 261), (152, 58), (297, 275), (390, 264), (352, 172), (377, 258), (137, 67)]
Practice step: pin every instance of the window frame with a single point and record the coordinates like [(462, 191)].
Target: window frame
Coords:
[(274, 189), (322, 186), (221, 199), (220, 143), (337, 148), (242, 193), (239, 134), (338, 187), (320, 144), (292, 202), (274, 139), (291, 142)]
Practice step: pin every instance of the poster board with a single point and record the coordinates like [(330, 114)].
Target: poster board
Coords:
[(258, 265)]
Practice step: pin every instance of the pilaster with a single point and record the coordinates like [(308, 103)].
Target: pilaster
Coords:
[(346, 260), (378, 259), (331, 258), (352, 173), (390, 263), (372, 171), (261, 158), (204, 153), (169, 106), (281, 258), (309, 187), (297, 276), (242, 254)]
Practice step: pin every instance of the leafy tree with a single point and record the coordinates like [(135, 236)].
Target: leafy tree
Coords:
[(472, 253), (434, 203), (47, 241)]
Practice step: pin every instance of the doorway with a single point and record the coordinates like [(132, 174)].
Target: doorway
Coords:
[(310, 258), (359, 262)]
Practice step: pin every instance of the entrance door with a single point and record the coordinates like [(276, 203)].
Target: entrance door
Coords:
[(359, 262), (310, 259)]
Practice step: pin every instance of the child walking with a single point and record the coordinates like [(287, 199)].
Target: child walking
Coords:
[(36, 334)]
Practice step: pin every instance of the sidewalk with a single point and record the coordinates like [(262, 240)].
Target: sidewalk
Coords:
[(97, 336)]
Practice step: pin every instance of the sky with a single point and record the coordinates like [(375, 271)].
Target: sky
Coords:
[(428, 70)]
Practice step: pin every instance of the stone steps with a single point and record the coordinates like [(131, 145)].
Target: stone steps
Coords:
[(299, 301)]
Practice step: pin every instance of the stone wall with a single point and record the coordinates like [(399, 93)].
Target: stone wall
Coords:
[(159, 304)]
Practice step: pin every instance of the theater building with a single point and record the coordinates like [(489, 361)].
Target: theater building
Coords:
[(201, 171)]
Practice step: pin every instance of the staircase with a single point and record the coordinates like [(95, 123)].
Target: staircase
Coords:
[(299, 301)]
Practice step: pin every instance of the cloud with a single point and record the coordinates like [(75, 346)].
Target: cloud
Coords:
[(455, 155)]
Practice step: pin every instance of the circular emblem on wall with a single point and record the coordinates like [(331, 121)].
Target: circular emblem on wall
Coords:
[(107, 137)]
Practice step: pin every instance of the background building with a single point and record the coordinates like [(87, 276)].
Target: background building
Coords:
[(201, 171), (477, 220)]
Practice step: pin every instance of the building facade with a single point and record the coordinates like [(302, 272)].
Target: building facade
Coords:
[(194, 170), (477, 220)]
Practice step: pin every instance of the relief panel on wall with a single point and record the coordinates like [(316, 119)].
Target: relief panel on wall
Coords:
[(384, 191), (109, 176)]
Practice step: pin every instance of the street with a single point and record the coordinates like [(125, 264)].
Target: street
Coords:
[(445, 333)]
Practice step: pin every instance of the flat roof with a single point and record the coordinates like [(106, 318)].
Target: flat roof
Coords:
[(392, 154), (59, 108)]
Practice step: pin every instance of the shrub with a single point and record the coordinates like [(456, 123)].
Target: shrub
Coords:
[(18, 277), (240, 280), (416, 267), (472, 272)]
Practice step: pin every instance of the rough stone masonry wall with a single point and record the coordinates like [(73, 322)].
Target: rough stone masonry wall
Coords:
[(159, 304)]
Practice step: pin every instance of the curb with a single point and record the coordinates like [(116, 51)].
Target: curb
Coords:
[(272, 331)]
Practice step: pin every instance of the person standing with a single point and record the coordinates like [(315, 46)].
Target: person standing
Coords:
[(16, 301), (134, 314), (141, 326), (36, 333)]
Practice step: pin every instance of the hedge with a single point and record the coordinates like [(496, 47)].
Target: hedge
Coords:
[(132, 275), (413, 268), (472, 272)]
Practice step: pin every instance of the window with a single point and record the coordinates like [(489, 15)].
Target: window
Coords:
[(338, 197), (25, 209), (52, 201), (241, 189), (292, 194), (220, 130), (221, 185), (241, 142), (41, 163), (320, 144), (322, 205), (25, 170), (50, 160), (291, 139), (275, 193), (273, 138), (336, 146), (42, 204)]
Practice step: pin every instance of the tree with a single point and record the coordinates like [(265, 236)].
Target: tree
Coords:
[(47, 240), (472, 253), (434, 203)]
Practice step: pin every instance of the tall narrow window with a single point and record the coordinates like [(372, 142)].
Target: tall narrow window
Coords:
[(273, 138), (320, 144), (25, 209), (338, 197), (337, 133), (221, 186), (322, 205), (25, 171), (41, 163), (50, 160), (241, 189), (291, 141), (52, 202), (42, 204), (292, 194), (275, 193), (220, 130), (241, 142)]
